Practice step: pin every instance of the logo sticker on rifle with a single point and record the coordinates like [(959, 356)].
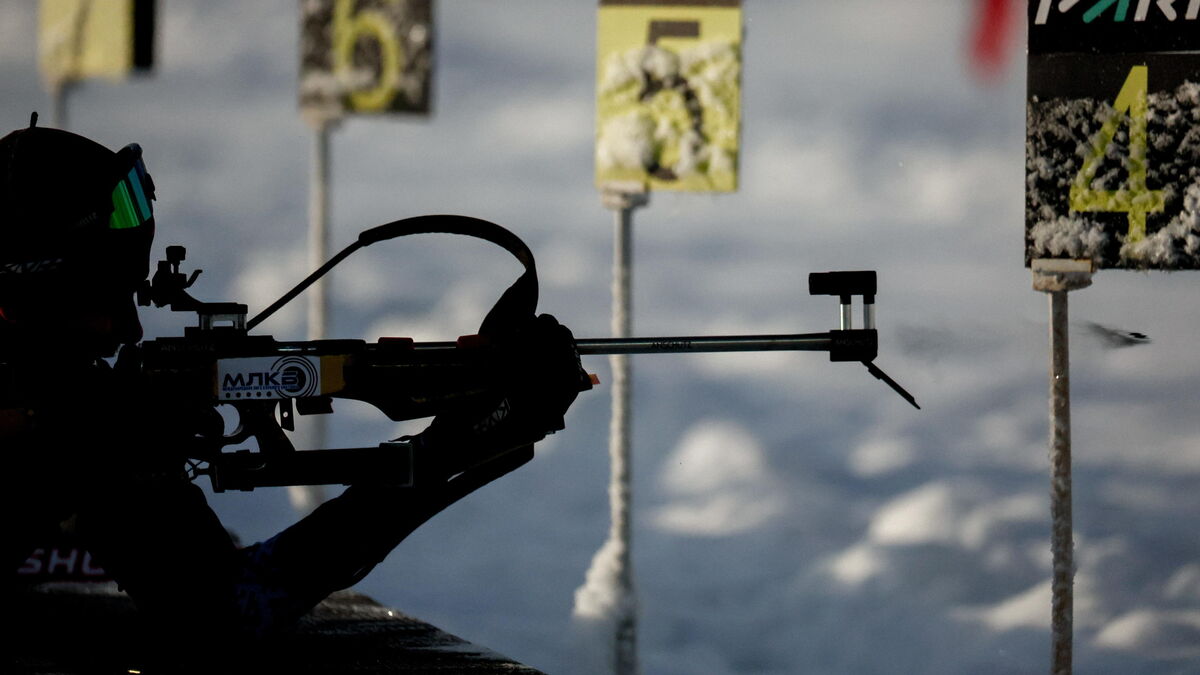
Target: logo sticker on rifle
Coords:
[(268, 377)]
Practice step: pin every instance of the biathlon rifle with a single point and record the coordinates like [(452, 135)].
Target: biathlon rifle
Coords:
[(268, 381)]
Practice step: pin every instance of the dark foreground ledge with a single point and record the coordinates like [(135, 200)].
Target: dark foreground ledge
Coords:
[(90, 628)]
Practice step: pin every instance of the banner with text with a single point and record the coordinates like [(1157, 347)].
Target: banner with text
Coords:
[(668, 89), (1113, 133)]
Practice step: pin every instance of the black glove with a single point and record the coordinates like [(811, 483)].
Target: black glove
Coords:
[(537, 374)]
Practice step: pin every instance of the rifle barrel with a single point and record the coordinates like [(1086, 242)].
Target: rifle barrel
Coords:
[(800, 342), (807, 342)]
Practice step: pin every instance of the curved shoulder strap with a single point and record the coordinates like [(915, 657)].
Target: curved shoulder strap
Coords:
[(519, 301), (516, 305)]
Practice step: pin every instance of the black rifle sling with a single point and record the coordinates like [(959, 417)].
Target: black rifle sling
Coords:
[(516, 306), (518, 303)]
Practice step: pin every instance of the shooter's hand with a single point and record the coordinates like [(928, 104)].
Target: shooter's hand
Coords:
[(539, 376)]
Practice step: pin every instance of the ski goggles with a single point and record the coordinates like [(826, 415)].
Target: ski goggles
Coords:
[(132, 195)]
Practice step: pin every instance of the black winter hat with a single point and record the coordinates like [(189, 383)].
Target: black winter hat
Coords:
[(57, 197)]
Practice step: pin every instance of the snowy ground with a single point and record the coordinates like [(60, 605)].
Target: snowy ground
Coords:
[(792, 515)]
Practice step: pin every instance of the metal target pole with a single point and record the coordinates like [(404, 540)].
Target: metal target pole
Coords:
[(58, 104), (306, 498), (318, 229), (1057, 278), (623, 202)]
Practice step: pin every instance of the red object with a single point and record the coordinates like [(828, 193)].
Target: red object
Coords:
[(990, 41), (397, 342), (472, 341)]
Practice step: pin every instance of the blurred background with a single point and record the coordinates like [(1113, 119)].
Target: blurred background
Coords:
[(791, 515)]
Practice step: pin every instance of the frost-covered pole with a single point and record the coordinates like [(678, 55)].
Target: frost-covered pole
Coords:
[(318, 228), (607, 600), (1057, 278), (306, 498), (58, 104), (620, 485), (1061, 539)]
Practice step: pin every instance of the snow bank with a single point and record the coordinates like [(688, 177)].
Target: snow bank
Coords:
[(603, 606), (719, 482), (1171, 634)]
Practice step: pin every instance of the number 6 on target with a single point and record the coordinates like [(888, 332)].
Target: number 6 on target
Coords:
[(365, 56)]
